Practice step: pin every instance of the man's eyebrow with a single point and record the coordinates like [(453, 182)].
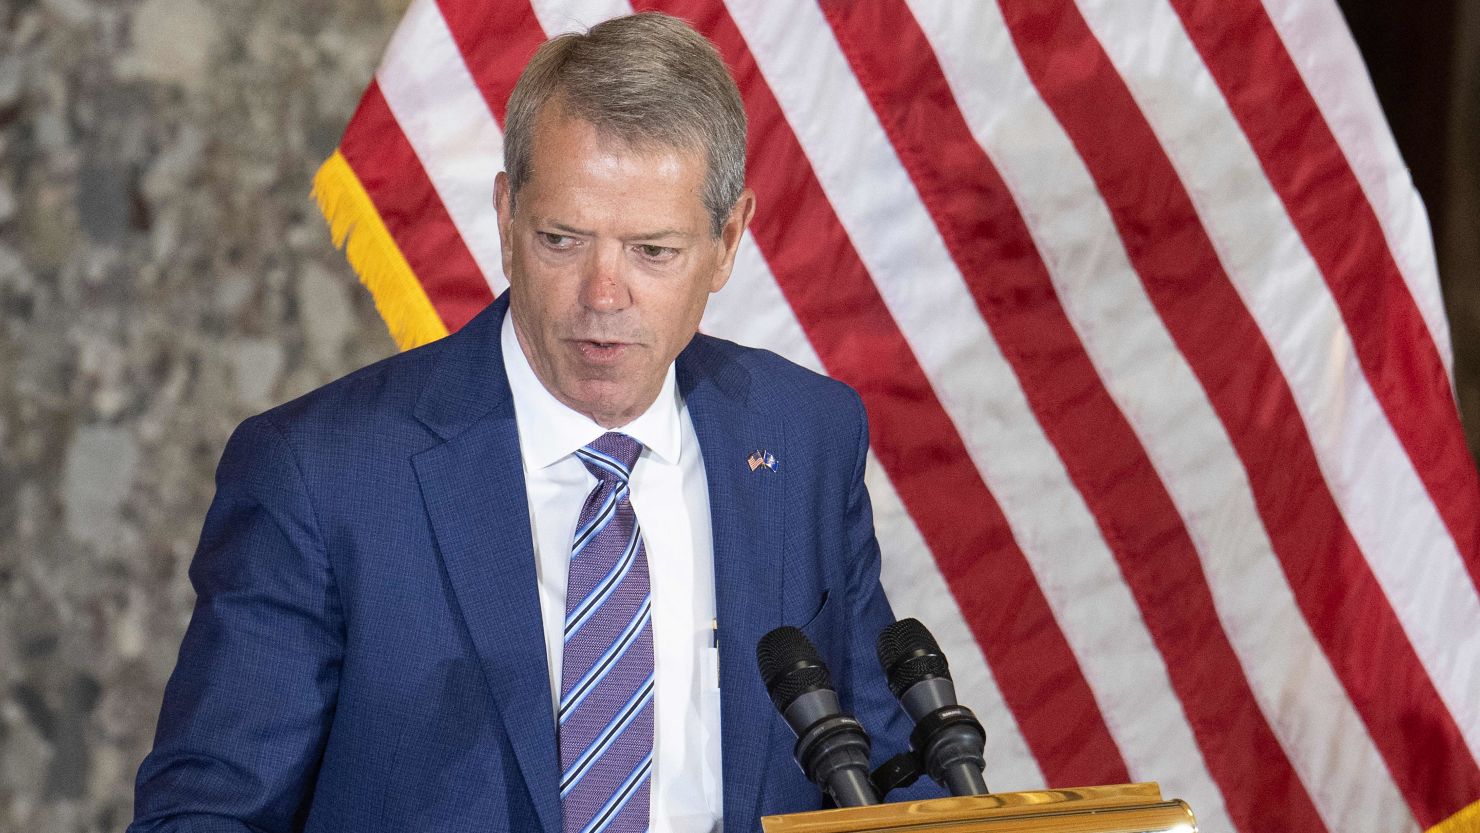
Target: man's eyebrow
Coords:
[(658, 235), (558, 226)]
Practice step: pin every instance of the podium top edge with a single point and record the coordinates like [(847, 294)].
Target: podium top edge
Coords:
[(906, 815)]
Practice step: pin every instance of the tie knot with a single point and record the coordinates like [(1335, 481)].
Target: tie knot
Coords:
[(611, 456)]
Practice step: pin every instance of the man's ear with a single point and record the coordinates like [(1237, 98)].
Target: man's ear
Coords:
[(729, 237), (503, 204)]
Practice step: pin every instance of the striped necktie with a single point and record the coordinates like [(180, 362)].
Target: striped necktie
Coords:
[(606, 687)]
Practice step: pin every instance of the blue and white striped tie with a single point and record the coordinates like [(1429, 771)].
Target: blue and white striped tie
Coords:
[(606, 691)]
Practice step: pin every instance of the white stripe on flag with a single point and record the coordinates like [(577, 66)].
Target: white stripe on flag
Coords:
[(447, 121), (1317, 38), (752, 309), (879, 207), (559, 16), (1161, 397), (1374, 483)]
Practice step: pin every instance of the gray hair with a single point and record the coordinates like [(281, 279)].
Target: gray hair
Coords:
[(645, 79)]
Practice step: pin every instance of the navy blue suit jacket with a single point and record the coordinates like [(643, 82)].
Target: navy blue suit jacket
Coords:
[(366, 651)]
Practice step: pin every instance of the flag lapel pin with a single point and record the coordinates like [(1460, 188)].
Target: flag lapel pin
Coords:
[(759, 459)]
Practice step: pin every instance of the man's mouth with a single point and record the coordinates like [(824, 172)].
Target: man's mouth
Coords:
[(601, 351)]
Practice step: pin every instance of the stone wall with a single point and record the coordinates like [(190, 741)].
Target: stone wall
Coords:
[(162, 276), (160, 266)]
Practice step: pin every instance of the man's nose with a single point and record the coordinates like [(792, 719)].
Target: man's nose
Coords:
[(604, 282)]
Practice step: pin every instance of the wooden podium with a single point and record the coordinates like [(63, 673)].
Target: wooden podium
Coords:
[(1126, 808)]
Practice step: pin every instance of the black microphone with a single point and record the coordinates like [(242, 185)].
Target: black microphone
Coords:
[(947, 735), (832, 748)]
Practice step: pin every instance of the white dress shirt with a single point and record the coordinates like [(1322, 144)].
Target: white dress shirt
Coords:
[(671, 500)]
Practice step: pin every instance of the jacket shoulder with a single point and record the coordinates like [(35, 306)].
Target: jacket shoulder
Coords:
[(779, 384), (383, 392)]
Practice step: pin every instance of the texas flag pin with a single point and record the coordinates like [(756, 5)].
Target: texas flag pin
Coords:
[(760, 458)]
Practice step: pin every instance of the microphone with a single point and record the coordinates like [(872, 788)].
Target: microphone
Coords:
[(947, 735), (832, 748)]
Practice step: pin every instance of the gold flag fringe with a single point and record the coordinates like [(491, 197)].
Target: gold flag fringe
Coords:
[(1465, 821), (355, 226)]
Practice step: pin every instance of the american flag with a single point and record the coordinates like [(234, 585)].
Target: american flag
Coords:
[(1143, 306)]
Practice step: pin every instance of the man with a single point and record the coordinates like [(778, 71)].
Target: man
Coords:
[(514, 580)]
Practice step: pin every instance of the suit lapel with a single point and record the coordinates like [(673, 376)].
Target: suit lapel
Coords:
[(473, 485), (746, 511)]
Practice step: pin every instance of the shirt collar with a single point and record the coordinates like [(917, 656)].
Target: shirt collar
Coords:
[(549, 430)]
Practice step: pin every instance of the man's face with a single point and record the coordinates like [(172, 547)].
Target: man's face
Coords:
[(610, 260)]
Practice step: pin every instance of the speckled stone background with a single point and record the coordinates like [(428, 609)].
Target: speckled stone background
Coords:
[(160, 267), (162, 276)]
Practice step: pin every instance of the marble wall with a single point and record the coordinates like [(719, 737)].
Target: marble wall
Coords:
[(160, 264), (162, 276)]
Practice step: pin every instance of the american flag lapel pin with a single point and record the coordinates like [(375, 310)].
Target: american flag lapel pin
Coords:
[(759, 458)]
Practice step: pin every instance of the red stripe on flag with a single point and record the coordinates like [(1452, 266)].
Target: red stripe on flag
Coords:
[(1335, 588), (1242, 49), (393, 176), (852, 330), (992, 246), (496, 41)]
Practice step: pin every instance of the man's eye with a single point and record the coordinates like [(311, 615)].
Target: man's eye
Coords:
[(556, 241), (652, 252)]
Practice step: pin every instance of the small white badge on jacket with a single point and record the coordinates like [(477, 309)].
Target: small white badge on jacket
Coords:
[(759, 458)]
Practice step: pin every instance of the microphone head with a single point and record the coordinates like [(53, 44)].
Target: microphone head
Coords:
[(908, 653), (790, 666)]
